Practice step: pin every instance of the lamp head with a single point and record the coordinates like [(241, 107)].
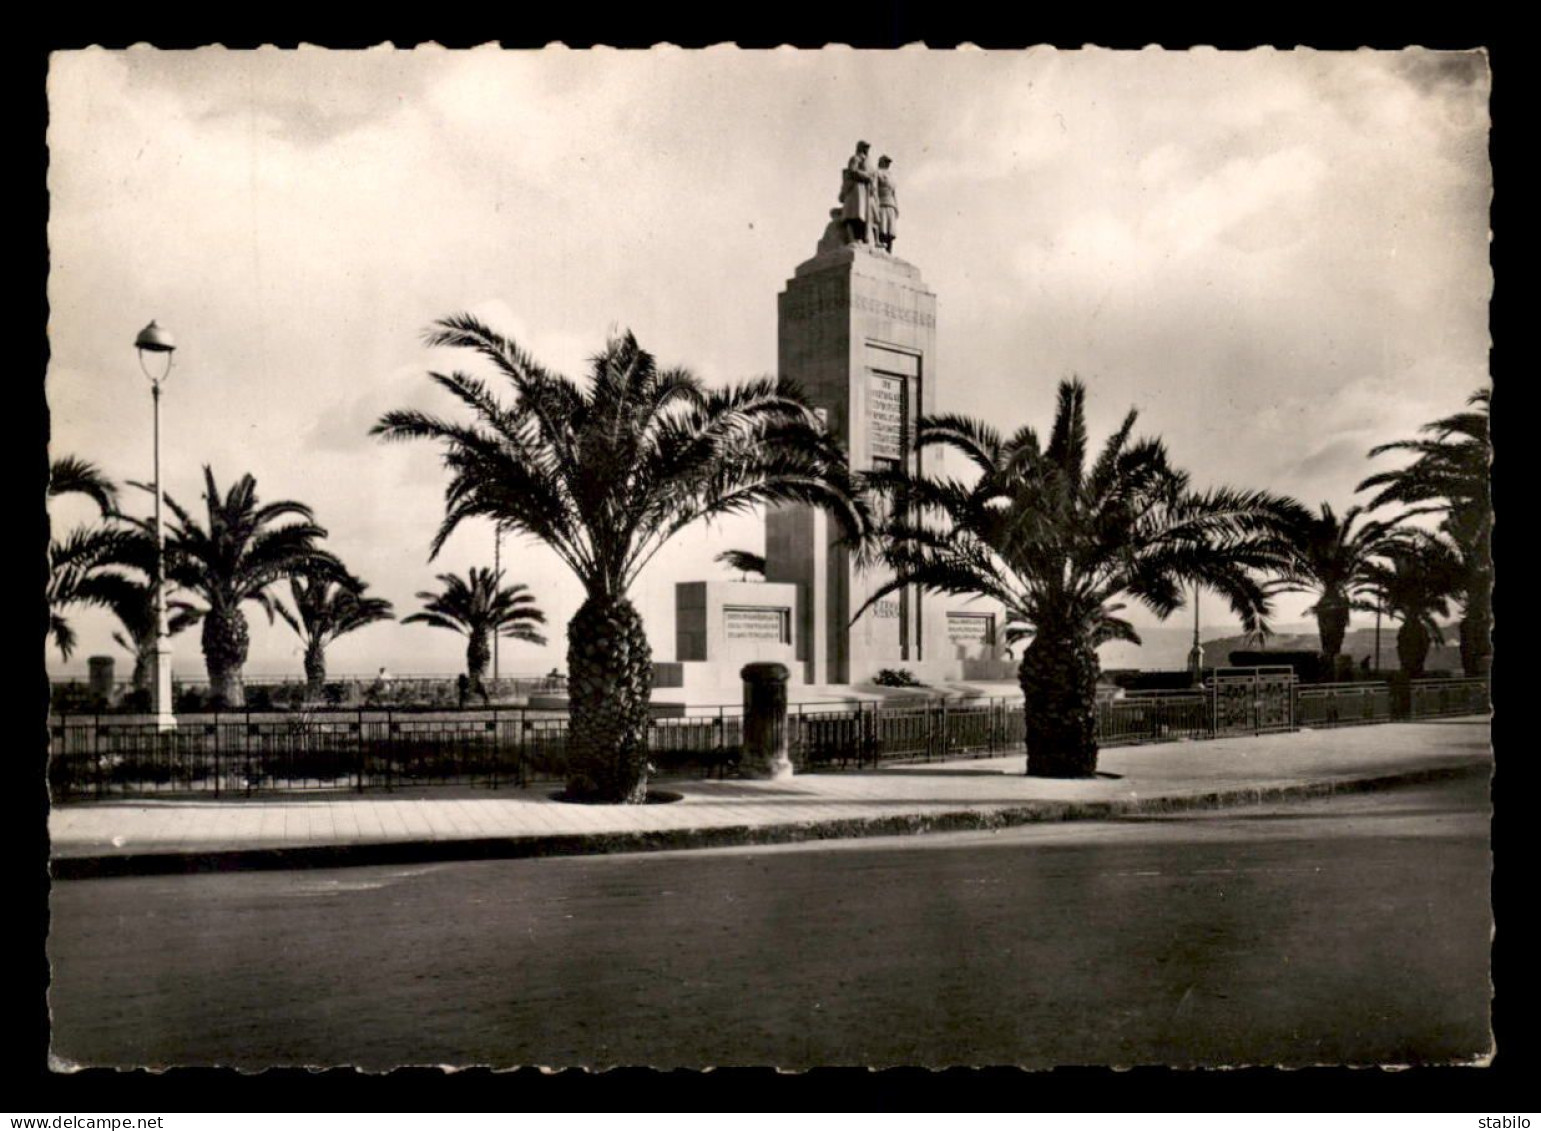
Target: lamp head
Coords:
[(155, 339), (152, 339)]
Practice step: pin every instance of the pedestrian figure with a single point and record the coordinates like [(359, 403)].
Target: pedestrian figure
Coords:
[(376, 693), (462, 687)]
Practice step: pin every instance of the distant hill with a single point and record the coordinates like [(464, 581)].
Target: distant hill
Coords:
[(1359, 643), (1162, 648)]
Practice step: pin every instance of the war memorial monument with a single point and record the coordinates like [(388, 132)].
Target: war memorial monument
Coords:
[(856, 329)]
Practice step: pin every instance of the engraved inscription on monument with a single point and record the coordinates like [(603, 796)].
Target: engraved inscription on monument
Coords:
[(757, 622), (885, 416), (971, 628)]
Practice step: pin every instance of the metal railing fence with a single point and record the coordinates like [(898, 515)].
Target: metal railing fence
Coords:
[(191, 694), (223, 754), (1342, 704), (1431, 699)]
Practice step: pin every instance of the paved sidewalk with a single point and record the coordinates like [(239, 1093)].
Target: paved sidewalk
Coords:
[(144, 836)]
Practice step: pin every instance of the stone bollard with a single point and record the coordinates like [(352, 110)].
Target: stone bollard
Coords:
[(765, 722), (101, 677)]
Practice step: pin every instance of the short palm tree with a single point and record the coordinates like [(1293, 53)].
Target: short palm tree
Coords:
[(1413, 584), (244, 548), (744, 561), (71, 475), (80, 573), (1335, 560), (325, 608), (76, 562), (1450, 477), (130, 597), (476, 608), (605, 474), (1062, 537)]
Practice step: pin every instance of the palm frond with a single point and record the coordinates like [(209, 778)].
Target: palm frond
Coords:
[(73, 475)]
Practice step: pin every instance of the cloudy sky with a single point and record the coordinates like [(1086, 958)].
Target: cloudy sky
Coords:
[(1280, 258)]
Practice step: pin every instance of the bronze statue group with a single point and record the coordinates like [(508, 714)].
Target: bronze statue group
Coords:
[(869, 203)]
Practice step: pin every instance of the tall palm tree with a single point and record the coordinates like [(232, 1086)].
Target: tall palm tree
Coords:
[(325, 608), (1413, 584), (605, 474), (477, 608), (75, 562), (244, 548), (1328, 556), (1450, 477), (1062, 538)]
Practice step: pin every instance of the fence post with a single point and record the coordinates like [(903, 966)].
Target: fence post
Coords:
[(390, 750), (720, 754), (765, 721), (523, 723), (497, 747), (358, 748), (96, 754)]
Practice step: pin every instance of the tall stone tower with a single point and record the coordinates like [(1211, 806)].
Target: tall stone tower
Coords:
[(857, 330)]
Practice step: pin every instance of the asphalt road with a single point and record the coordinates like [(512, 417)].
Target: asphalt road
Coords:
[(1351, 930)]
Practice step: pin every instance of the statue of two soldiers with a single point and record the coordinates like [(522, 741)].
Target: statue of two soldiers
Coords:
[(869, 202)]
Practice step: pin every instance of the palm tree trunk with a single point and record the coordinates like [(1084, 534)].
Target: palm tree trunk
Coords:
[(1477, 626), (1332, 625), (478, 656), (144, 662), (610, 682), (1058, 675), (225, 642), (315, 669), (1413, 642)]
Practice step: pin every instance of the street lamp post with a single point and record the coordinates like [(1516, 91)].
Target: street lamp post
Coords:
[(156, 341)]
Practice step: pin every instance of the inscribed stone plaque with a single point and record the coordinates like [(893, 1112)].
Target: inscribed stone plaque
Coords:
[(971, 628), (885, 416), (757, 622)]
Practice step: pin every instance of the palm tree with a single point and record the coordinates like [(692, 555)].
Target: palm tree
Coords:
[(1061, 540), (605, 474), (71, 475), (1413, 584), (744, 561), (242, 550), (1329, 557), (75, 562), (130, 597), (78, 575), (325, 608), (1449, 477), (476, 609)]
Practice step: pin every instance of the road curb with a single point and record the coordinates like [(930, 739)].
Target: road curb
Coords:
[(791, 832)]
